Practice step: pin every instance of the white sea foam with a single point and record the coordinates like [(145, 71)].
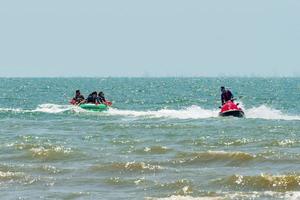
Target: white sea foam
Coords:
[(53, 108), (17, 110), (196, 112), (191, 112), (292, 195), (264, 112)]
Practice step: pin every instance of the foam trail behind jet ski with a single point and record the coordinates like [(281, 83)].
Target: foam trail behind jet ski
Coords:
[(192, 112), (264, 112)]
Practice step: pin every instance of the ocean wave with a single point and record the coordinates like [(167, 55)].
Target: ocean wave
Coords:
[(43, 151), (16, 177), (122, 181), (50, 153), (127, 166), (288, 182), (8, 175), (231, 158), (179, 187)]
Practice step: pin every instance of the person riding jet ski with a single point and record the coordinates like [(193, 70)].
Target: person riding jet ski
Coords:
[(226, 95), (229, 108)]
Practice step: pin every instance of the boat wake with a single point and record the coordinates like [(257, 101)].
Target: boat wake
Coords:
[(191, 112), (264, 112), (54, 108), (196, 112)]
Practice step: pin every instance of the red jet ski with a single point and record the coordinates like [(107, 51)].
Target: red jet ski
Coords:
[(231, 109)]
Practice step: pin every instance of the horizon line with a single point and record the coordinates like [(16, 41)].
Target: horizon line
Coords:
[(225, 76)]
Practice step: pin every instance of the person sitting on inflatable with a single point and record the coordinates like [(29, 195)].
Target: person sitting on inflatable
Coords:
[(226, 95), (101, 99), (92, 98), (78, 99)]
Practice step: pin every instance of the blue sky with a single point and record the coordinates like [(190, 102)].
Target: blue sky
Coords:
[(150, 38)]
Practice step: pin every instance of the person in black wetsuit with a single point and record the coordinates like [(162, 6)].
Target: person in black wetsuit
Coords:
[(101, 98), (79, 98), (226, 95), (92, 98)]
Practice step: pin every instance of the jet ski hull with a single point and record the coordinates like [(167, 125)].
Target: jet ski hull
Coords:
[(231, 109), (233, 113)]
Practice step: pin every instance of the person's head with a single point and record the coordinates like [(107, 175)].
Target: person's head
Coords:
[(222, 88), (94, 93), (101, 94), (77, 92)]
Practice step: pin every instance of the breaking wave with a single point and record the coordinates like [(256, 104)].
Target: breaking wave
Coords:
[(191, 112), (291, 195)]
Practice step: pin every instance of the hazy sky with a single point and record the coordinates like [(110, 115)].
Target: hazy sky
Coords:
[(149, 38)]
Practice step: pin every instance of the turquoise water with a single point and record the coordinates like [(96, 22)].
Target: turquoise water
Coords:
[(162, 139)]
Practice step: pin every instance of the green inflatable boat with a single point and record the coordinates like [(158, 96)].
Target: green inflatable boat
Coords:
[(94, 107)]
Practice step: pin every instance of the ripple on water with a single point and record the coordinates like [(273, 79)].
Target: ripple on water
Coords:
[(284, 143), (11, 177), (124, 141), (154, 150), (50, 153), (178, 187), (236, 142), (127, 166), (118, 181), (45, 151), (229, 158), (49, 169)]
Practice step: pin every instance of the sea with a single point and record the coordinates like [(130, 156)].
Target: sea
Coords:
[(161, 140)]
